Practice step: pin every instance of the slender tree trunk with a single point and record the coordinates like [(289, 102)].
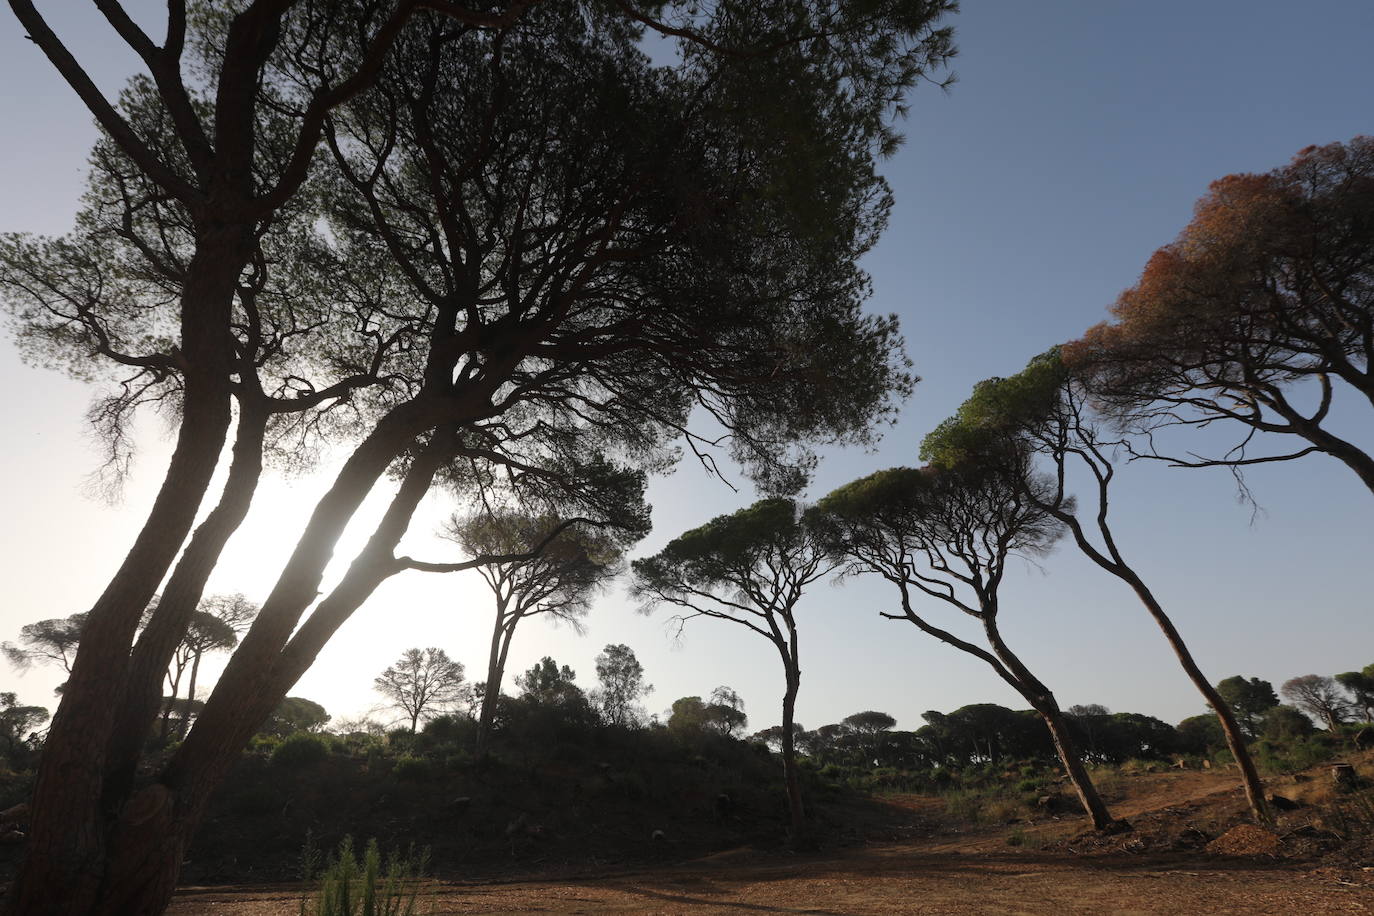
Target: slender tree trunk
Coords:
[(180, 598), (789, 754), (190, 694), (1235, 739), (170, 703), (496, 670), (1073, 764), (1043, 702), (65, 856)]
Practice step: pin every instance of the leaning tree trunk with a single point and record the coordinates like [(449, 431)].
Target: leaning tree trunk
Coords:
[(65, 855), (1043, 702), (1073, 763), (180, 598), (1235, 739), (155, 828)]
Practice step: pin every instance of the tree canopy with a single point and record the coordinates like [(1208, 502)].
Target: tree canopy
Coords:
[(1260, 314)]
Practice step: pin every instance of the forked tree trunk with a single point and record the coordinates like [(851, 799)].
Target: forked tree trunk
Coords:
[(65, 857), (496, 670), (155, 827), (180, 598)]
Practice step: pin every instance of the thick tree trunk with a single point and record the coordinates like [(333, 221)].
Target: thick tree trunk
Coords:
[(795, 810), (156, 826), (180, 598), (65, 854)]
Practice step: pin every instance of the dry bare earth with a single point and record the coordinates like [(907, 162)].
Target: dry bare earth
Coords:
[(948, 870)]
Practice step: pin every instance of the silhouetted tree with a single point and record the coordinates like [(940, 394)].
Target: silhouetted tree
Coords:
[(1360, 685), (700, 256), (1042, 414), (556, 571), (18, 725), (869, 727), (422, 684), (946, 533), (295, 714), (1319, 696), (53, 640), (1249, 700), (725, 712), (749, 568), (1284, 723), (622, 684), (1201, 735), (1258, 315)]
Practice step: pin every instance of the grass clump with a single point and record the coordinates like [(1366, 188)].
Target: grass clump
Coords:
[(350, 887)]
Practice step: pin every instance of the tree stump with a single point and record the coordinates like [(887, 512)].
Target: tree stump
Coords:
[(1343, 777)]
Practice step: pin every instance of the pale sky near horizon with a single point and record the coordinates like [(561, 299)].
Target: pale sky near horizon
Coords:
[(1074, 143)]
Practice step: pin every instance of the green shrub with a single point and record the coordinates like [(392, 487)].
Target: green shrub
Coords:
[(349, 887), (414, 769), (300, 751)]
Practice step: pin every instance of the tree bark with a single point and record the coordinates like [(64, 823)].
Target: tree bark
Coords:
[(1042, 701), (1073, 763), (66, 848), (1235, 739), (155, 827), (180, 598), (795, 810), (496, 670)]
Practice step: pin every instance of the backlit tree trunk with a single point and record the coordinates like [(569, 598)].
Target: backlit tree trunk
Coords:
[(795, 810), (180, 598), (66, 847), (496, 670), (155, 827)]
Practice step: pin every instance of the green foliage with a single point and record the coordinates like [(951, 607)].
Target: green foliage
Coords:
[(295, 714), (301, 751), (621, 677), (1249, 700), (17, 729), (715, 553), (352, 887), (1001, 413), (1201, 735)]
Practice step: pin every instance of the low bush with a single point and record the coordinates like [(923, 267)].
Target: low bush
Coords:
[(300, 751)]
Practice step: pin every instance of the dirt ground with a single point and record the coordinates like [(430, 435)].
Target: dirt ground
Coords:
[(932, 867), (893, 880)]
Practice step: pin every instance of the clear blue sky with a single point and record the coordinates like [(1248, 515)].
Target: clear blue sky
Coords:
[(1028, 196)]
